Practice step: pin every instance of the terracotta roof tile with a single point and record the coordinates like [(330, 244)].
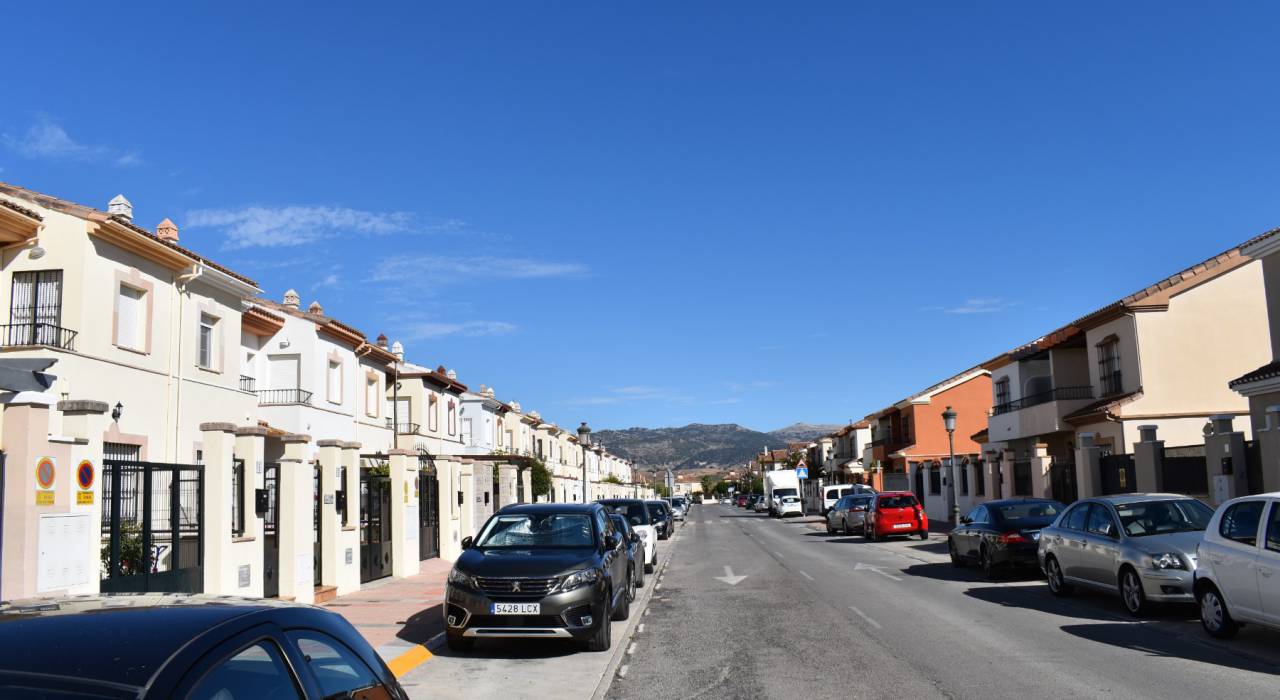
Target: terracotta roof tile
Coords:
[(1267, 371), (1102, 406), (20, 209), (185, 251)]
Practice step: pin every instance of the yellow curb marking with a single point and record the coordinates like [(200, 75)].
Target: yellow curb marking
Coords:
[(409, 660)]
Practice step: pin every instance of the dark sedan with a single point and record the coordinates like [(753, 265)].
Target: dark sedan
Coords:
[(663, 519), (184, 646), (635, 547), (1002, 534)]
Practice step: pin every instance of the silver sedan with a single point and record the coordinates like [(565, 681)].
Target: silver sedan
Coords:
[(848, 514), (1141, 547)]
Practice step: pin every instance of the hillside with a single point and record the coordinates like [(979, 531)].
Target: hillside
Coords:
[(698, 445)]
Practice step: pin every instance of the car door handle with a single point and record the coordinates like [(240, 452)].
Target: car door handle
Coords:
[(1265, 571)]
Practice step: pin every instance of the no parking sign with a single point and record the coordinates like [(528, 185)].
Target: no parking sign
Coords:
[(84, 479)]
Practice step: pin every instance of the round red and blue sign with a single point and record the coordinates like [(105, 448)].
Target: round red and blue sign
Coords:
[(84, 474), (45, 472)]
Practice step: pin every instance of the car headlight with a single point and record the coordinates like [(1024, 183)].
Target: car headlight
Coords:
[(579, 579), (460, 579), (1167, 560)]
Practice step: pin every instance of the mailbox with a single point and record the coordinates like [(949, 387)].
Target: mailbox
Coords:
[(261, 501), (1227, 467), (340, 501)]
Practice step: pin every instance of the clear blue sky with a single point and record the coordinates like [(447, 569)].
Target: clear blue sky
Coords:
[(657, 213)]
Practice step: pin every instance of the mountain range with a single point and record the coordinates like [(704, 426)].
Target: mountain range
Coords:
[(699, 445)]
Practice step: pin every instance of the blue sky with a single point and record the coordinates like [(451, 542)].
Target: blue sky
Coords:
[(659, 213)]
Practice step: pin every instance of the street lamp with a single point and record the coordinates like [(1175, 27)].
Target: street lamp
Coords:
[(584, 439), (949, 422)]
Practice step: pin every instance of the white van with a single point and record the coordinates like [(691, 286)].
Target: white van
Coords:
[(833, 493)]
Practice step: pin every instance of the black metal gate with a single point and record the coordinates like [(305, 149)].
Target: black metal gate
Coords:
[(920, 483), (1022, 478), (1062, 482), (1118, 474), (1183, 471), (428, 515), (271, 532), (317, 539), (375, 526), (152, 529), (520, 497), (1253, 466)]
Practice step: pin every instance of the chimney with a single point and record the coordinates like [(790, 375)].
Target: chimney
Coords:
[(398, 350), (382, 341), (316, 308), (119, 206), (451, 374), (292, 300), (167, 231)]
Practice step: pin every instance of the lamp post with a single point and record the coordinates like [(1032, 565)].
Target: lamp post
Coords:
[(949, 422), (584, 439)]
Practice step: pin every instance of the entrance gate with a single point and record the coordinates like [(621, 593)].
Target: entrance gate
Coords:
[(152, 528), (271, 532), (428, 514), (1118, 474), (1252, 459), (1062, 482), (316, 538), (375, 526), (1184, 471), (920, 483), (1022, 478)]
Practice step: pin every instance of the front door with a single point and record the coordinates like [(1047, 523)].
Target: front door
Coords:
[(428, 515), (316, 539), (375, 526), (271, 532)]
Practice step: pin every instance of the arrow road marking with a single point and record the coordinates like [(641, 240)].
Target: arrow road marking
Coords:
[(729, 578), (860, 566)]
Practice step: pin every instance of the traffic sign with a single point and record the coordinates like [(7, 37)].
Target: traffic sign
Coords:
[(802, 472), (84, 474)]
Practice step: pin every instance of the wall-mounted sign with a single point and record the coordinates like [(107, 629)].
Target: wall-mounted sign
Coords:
[(83, 498), (44, 498), (84, 475), (244, 576), (46, 471), (328, 499), (348, 555), (406, 493)]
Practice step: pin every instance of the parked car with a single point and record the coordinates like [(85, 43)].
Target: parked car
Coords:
[(1141, 547), (679, 506), (635, 546), (895, 513), (832, 494), (660, 511), (1235, 578), (761, 505), (637, 514), (752, 500), (787, 505), (540, 570), (728, 501), (1002, 534), (742, 500), (848, 514), (189, 646)]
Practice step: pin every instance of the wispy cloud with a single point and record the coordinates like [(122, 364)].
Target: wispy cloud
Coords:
[(629, 394), (273, 227), (424, 330), (328, 281), (750, 385), (400, 269), (48, 140), (976, 305), (725, 402)]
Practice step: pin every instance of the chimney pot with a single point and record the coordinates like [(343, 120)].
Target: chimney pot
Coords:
[(121, 207), (167, 231), (397, 349), (316, 308), (292, 300), (382, 340)]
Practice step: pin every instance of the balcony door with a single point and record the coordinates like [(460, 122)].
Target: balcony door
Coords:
[(35, 311)]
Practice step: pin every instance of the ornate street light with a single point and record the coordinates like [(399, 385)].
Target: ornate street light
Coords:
[(949, 422), (584, 440)]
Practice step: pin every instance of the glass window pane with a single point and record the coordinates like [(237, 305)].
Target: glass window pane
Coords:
[(337, 669), (1100, 521), (1273, 528), (1240, 522), (256, 672)]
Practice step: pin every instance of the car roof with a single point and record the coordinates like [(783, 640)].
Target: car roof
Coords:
[(122, 639), (619, 501), (549, 508), (1120, 499), (893, 493), (1016, 501)]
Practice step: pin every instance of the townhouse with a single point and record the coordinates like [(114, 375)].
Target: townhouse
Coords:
[(842, 453), (1261, 385)]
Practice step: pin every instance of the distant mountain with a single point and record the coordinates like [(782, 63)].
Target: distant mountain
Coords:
[(697, 445)]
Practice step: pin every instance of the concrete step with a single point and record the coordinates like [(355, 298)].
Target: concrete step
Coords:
[(325, 594)]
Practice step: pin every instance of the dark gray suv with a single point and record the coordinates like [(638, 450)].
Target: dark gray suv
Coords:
[(552, 570)]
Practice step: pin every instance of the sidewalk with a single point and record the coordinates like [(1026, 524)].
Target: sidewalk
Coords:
[(397, 614)]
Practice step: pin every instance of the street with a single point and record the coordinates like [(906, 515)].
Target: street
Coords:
[(824, 616)]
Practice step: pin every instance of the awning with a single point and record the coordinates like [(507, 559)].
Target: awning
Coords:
[(26, 374)]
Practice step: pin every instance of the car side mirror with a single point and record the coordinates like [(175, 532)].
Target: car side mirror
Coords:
[(467, 542), (610, 541)]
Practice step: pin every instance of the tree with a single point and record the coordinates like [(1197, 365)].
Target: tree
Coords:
[(539, 478), (612, 479), (662, 490)]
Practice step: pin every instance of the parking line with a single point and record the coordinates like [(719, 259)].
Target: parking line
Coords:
[(863, 615), (411, 659), (806, 575)]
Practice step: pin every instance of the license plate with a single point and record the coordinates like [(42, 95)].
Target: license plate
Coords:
[(517, 608), (901, 526)]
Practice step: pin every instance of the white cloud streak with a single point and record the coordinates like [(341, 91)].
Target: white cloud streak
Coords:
[(402, 269), (979, 305), (424, 330), (274, 227), (48, 140)]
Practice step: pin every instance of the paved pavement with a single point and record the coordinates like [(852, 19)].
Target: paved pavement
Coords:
[(399, 616), (835, 616)]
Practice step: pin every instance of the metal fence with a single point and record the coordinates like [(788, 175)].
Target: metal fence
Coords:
[(152, 529)]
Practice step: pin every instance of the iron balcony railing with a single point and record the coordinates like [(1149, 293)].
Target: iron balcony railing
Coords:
[(404, 428), (1062, 393), (23, 334), (247, 383), (283, 397)]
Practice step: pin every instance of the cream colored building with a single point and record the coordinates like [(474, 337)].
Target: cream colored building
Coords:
[(1261, 385)]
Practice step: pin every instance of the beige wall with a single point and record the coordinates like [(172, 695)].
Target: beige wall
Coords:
[(1271, 275)]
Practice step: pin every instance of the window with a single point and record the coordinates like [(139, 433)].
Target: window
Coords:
[(935, 479), (35, 309), (371, 396), (979, 480), (256, 672), (333, 381), (433, 413), (207, 340), (906, 429), (977, 515), (467, 435), (1100, 522), (453, 418), (1109, 366), (237, 496), (1076, 518), (1240, 522), (338, 671), (1002, 391), (964, 480), (131, 318), (1273, 528)]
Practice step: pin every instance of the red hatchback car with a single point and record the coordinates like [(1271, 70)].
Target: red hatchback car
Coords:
[(895, 513)]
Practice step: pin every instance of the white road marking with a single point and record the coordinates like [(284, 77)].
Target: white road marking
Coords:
[(640, 628), (806, 575), (778, 555), (729, 578), (863, 615), (631, 649), (869, 567)]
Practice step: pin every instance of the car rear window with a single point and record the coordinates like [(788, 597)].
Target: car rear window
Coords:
[(635, 513), (1038, 513), (896, 502)]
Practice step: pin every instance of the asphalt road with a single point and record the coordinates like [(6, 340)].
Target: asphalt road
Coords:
[(822, 616)]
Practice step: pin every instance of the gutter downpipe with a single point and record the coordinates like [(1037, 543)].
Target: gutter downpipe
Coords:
[(181, 281)]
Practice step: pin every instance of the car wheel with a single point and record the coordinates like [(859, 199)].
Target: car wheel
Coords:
[(1057, 582), (924, 534), (623, 610), (988, 566), (1214, 616), (631, 583), (830, 530), (875, 534), (602, 639), (956, 561), (845, 522), (1131, 593), (457, 642)]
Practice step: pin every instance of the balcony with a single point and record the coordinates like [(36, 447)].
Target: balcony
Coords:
[(1065, 393), (284, 397), (247, 384), (403, 428), (18, 335), (1036, 414)]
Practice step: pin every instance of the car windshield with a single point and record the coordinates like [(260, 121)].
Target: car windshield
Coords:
[(1033, 514), (635, 513), (783, 493), (657, 510), (906, 501), (621, 523), (537, 530), (1163, 517)]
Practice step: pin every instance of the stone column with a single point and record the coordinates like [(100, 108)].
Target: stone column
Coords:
[(83, 423), (1088, 466), (250, 447), (404, 512), (294, 525), (1006, 472), (526, 475), (1148, 461), (507, 475), (1267, 448), (1225, 459), (349, 523), (450, 512), (466, 483), (329, 457), (221, 565), (1040, 462)]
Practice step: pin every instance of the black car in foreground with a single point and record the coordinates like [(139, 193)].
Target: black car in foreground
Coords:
[(1002, 534), (184, 646), (543, 570)]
